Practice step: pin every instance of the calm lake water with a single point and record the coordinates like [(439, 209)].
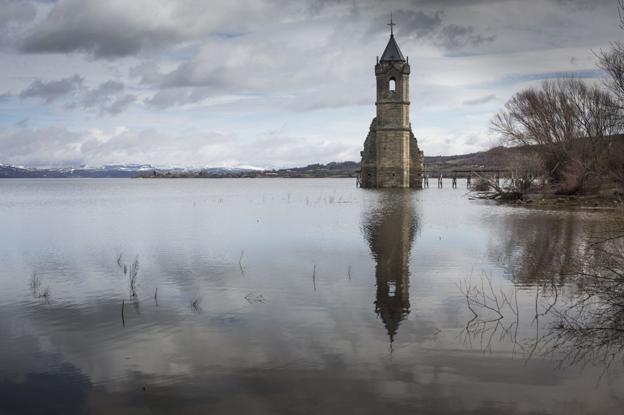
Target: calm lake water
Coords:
[(270, 296)]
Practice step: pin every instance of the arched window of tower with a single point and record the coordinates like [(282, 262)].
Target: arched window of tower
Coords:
[(392, 86)]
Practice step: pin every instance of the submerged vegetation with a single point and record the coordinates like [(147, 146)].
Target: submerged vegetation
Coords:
[(580, 322), (132, 273), (37, 291)]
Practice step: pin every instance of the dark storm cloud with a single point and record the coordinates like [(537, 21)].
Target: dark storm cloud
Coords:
[(419, 24), (586, 4), (96, 28), (455, 37), (110, 29), (316, 6), (443, 4), (52, 90), (433, 27), (115, 28)]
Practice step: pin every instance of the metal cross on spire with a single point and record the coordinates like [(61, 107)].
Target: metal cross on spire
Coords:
[(391, 24)]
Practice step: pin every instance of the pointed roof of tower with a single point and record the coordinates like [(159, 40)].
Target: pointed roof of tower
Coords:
[(392, 52)]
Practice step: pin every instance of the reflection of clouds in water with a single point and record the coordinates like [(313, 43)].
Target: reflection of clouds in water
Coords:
[(237, 356), (63, 391), (34, 375)]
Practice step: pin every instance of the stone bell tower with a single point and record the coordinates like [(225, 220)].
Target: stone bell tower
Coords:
[(391, 157)]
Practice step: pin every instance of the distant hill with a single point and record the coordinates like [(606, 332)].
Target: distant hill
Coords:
[(114, 171), (497, 158)]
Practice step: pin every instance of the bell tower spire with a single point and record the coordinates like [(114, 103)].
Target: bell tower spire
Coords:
[(392, 51), (391, 157), (391, 24)]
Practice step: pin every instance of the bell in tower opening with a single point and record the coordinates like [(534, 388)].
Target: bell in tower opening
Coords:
[(391, 157)]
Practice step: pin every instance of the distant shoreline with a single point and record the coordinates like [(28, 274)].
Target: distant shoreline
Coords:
[(494, 159)]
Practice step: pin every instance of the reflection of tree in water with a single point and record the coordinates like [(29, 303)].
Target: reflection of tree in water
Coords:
[(389, 227), (538, 248), (580, 322), (591, 325)]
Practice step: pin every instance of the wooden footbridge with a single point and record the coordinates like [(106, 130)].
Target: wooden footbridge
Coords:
[(455, 174), (468, 174)]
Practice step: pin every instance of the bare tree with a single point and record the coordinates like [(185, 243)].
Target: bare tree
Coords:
[(526, 169), (612, 63), (567, 120)]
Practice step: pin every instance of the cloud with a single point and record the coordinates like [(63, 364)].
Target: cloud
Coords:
[(119, 104), (52, 90), (39, 147), (104, 91), (315, 7), (104, 29), (291, 151), (264, 70), (245, 66), (419, 23), (170, 97), (13, 12), (120, 28), (479, 101), (117, 28), (455, 37), (14, 15), (584, 4), (439, 141), (58, 146), (108, 98), (433, 27)]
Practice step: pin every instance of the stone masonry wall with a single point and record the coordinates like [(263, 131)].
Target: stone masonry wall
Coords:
[(391, 157)]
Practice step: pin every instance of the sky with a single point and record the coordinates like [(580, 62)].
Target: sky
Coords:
[(270, 83)]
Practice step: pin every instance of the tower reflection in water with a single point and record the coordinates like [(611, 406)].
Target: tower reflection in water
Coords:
[(389, 226)]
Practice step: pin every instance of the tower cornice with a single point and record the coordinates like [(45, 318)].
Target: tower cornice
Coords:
[(388, 101)]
